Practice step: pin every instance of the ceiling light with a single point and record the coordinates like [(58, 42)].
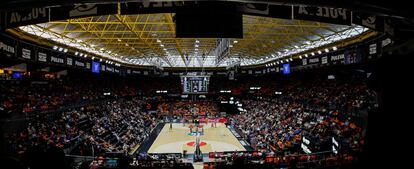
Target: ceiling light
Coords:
[(76, 53), (287, 60), (164, 49), (109, 51), (162, 45), (231, 46), (287, 50), (158, 41), (307, 42), (300, 57), (78, 40), (55, 47), (196, 46), (235, 41), (279, 53), (313, 54), (281, 61), (196, 49), (65, 50), (86, 55), (197, 41), (60, 49), (306, 55), (291, 59), (296, 47), (326, 50), (277, 62), (81, 54), (102, 49), (119, 40), (93, 58), (126, 44), (334, 48), (93, 45), (319, 52), (100, 60)]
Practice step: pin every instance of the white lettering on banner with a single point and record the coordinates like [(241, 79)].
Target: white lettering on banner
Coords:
[(314, 60), (325, 60), (337, 57), (42, 57), (88, 65), (26, 53), (69, 61), (36, 13), (304, 61), (56, 59), (325, 12), (373, 49), (110, 69), (81, 64), (6, 48)]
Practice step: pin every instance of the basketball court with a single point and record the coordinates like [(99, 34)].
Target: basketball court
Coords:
[(179, 138)]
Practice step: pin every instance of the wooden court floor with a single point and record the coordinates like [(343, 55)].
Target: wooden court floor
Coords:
[(217, 138)]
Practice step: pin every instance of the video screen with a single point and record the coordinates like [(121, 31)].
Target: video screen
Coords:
[(195, 84)]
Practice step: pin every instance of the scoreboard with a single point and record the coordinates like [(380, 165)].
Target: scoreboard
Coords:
[(195, 84)]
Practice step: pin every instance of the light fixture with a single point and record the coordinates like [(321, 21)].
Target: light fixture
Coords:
[(300, 57), (159, 41), (164, 49), (126, 44), (65, 50), (86, 55), (119, 40), (279, 53), (76, 53), (197, 41), (81, 54), (281, 61), (55, 47), (277, 62), (196, 46), (235, 41), (100, 60), (231, 46), (306, 55), (319, 52), (93, 58), (287, 60), (334, 48), (102, 49), (296, 47), (287, 50), (326, 50), (313, 54), (307, 42), (161, 45), (196, 49), (60, 49), (291, 59)]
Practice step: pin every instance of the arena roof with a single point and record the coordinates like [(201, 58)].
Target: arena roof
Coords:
[(149, 39)]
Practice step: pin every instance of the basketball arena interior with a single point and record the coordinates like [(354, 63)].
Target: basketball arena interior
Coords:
[(109, 84)]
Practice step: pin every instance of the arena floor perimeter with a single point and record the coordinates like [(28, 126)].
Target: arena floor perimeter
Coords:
[(217, 138)]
